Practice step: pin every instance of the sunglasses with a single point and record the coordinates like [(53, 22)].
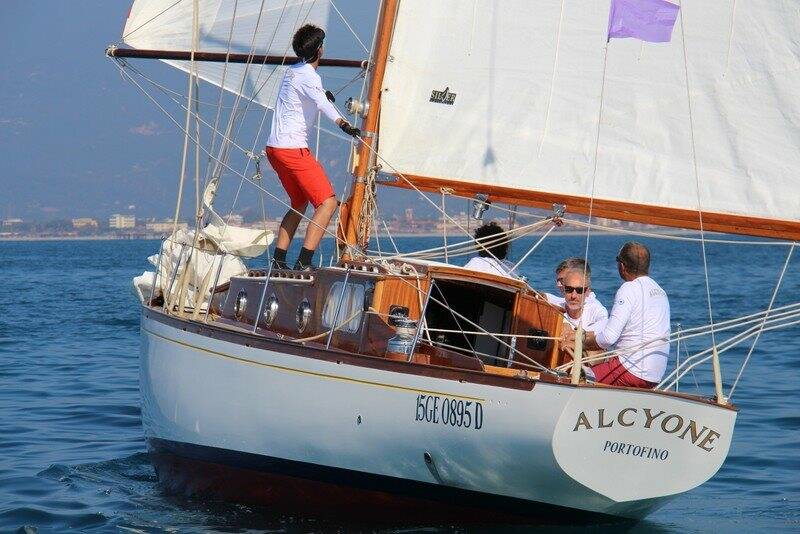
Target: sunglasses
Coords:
[(579, 290)]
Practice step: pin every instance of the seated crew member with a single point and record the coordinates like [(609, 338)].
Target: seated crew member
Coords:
[(492, 254), (300, 97), (593, 309), (577, 288), (638, 327)]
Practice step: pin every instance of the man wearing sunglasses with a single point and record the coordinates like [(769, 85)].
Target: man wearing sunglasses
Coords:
[(577, 287), (638, 327), (591, 311)]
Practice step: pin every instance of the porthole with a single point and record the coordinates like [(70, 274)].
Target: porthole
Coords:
[(270, 310), (303, 315), (240, 305)]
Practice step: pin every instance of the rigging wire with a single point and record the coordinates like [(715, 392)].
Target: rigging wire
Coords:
[(192, 76), (335, 237), (341, 230), (221, 160), (125, 74), (574, 222), (237, 100), (148, 21), (788, 312), (580, 331), (715, 361), (221, 92), (225, 165), (739, 339), (349, 27), (764, 322), (552, 81), (611, 229)]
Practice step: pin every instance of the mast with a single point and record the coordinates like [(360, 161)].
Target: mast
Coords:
[(352, 208)]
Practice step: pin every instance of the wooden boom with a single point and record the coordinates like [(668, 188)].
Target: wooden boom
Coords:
[(221, 57), (613, 209)]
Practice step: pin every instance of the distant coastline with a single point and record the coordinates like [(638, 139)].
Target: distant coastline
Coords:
[(453, 236)]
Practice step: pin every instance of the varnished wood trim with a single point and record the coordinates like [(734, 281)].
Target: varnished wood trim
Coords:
[(383, 42), (618, 210), (675, 394), (468, 275), (318, 351)]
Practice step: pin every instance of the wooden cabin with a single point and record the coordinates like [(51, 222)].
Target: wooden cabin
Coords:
[(365, 299)]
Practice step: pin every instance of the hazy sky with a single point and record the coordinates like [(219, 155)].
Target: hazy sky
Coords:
[(78, 140)]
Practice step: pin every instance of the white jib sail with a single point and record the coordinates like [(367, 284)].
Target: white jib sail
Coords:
[(252, 26), (472, 101)]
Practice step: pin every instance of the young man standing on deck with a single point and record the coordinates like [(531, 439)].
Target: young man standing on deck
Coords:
[(300, 97)]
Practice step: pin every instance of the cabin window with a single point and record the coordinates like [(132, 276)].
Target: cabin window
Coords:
[(240, 305), (467, 304), (352, 306)]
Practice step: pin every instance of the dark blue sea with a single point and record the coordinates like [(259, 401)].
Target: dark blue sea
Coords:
[(72, 455)]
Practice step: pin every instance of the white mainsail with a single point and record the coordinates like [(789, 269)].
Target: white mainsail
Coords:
[(255, 27), (523, 83)]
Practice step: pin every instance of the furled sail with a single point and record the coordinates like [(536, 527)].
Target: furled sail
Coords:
[(258, 27), (504, 98)]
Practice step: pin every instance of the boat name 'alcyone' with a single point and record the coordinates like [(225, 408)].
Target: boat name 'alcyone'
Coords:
[(647, 418)]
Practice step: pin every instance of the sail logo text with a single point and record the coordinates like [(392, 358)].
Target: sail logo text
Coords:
[(674, 424), (443, 97)]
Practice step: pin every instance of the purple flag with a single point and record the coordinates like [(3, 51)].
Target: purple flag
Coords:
[(648, 20)]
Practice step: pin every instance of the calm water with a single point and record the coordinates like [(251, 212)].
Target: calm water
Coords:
[(71, 447)]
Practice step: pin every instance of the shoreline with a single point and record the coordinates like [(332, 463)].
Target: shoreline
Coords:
[(454, 237), (619, 232)]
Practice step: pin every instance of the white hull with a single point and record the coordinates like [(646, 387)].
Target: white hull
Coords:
[(543, 445)]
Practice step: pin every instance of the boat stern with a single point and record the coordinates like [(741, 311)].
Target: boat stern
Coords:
[(633, 446)]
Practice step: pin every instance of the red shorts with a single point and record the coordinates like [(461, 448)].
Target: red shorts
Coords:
[(612, 372), (301, 176)]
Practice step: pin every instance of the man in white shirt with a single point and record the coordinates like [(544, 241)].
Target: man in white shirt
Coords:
[(300, 98), (577, 287), (591, 309), (492, 251), (638, 327)]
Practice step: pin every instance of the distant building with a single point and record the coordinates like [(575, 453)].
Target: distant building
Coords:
[(122, 222), (164, 227), (84, 222), (12, 222)]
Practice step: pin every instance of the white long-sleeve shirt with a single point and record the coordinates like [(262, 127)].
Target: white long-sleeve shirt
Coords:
[(487, 264), (593, 316), (300, 97), (640, 316)]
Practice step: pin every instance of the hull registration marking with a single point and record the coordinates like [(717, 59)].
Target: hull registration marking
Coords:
[(447, 411), (312, 373)]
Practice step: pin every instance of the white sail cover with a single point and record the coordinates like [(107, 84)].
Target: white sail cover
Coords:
[(252, 27), (218, 243), (525, 101)]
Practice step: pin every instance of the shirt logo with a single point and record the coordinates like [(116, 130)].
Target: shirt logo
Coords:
[(443, 97)]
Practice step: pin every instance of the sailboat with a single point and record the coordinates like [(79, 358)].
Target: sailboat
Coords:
[(395, 386)]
